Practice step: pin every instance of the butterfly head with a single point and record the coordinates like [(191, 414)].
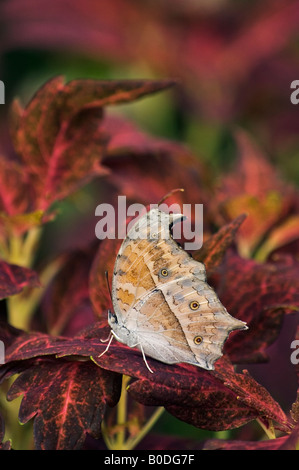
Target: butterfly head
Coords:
[(116, 328), (112, 318), (120, 331)]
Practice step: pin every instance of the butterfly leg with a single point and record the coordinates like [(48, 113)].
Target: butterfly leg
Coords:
[(109, 339), (144, 358)]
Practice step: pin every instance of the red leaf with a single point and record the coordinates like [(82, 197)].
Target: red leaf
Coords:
[(14, 278), (15, 193), (207, 403), (3, 445), (214, 249), (21, 346), (262, 294), (140, 165), (104, 261), (8, 333), (255, 187), (212, 49), (289, 442), (93, 93), (66, 399), (66, 304), (188, 392), (16, 200), (213, 400), (286, 232), (251, 393), (59, 135), (220, 444)]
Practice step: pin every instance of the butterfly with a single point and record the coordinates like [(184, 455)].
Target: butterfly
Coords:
[(162, 303)]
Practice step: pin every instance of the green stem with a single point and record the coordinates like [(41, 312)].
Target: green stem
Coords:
[(30, 245), (22, 306), (120, 442), (122, 415), (4, 251), (22, 249), (269, 430), (22, 252), (134, 441), (15, 250)]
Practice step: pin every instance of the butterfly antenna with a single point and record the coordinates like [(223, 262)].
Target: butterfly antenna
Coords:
[(170, 193), (110, 337), (108, 285)]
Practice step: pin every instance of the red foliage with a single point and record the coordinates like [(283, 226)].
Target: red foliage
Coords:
[(235, 60), (14, 278), (3, 445), (67, 400), (62, 140), (255, 187), (59, 136)]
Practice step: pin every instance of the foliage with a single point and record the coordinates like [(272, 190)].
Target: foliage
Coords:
[(227, 133), (57, 310)]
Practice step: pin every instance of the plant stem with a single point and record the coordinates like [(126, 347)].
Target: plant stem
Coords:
[(22, 249), (120, 442), (122, 414), (22, 252), (15, 250), (22, 306), (134, 441), (4, 251), (30, 245), (269, 430)]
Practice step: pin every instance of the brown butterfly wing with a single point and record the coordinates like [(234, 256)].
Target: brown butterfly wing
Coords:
[(204, 320), (133, 276), (156, 288)]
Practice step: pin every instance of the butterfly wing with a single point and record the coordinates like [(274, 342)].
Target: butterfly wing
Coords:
[(161, 296), (132, 276)]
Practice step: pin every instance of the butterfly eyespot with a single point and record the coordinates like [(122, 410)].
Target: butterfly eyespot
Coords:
[(197, 340), (194, 305), (164, 272)]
